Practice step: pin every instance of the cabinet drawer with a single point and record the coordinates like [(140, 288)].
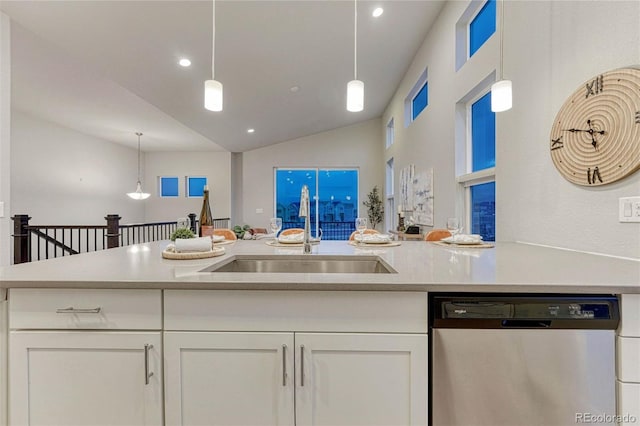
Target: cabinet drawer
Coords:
[(630, 318), (85, 309), (341, 311), (628, 365), (628, 403)]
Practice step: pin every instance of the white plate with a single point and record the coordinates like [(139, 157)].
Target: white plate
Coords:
[(450, 240), (372, 239), (374, 242), (290, 241)]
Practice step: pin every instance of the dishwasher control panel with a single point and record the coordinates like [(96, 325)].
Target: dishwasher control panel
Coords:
[(556, 311)]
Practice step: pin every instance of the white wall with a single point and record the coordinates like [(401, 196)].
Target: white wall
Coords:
[(62, 177), (216, 166), (536, 204), (6, 225), (356, 146), (550, 49)]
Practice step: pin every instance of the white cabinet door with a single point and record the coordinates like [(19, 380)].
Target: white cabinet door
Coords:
[(229, 378), (85, 378), (361, 379)]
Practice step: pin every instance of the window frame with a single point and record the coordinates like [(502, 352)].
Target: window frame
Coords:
[(468, 178), (473, 17), (420, 83), (161, 186), (463, 32), (315, 201), (390, 194), (390, 133), (187, 181)]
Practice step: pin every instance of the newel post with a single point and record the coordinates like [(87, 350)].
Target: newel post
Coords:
[(21, 252), (113, 230), (192, 220)]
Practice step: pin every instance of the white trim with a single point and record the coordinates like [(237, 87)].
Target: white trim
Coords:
[(476, 178)]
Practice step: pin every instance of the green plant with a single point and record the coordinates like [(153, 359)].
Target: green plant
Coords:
[(240, 230), (182, 233), (375, 208)]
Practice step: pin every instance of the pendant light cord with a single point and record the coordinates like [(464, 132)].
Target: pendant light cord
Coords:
[(213, 41), (355, 40), (501, 39), (139, 134)]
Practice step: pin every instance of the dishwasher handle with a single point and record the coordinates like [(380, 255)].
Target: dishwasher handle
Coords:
[(520, 323)]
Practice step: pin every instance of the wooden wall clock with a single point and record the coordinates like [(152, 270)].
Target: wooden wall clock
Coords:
[(595, 138)]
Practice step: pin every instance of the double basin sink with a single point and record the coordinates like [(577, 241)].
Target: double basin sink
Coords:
[(305, 264)]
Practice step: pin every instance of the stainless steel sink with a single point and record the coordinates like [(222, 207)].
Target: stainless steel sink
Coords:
[(305, 264)]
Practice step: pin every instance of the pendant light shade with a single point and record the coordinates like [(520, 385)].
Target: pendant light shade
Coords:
[(213, 95), (355, 96), (355, 88), (138, 194), (213, 88), (501, 96)]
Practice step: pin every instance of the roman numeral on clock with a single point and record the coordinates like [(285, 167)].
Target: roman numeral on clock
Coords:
[(595, 86), (637, 117), (593, 175), (557, 143)]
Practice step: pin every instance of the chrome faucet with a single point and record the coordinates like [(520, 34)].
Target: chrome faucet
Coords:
[(304, 212)]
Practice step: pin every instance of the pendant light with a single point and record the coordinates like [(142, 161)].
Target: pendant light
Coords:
[(213, 88), (355, 88), (501, 89), (138, 194)]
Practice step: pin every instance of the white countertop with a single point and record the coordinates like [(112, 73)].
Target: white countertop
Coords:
[(421, 266)]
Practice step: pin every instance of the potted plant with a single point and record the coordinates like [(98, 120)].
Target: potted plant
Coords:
[(375, 208)]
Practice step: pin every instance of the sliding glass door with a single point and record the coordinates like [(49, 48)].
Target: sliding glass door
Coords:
[(333, 194)]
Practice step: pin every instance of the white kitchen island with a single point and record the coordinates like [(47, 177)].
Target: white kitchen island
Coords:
[(303, 348)]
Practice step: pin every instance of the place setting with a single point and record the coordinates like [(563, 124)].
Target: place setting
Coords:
[(458, 239), (192, 248), (288, 237), (371, 238)]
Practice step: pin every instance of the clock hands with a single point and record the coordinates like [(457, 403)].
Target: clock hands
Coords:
[(592, 132)]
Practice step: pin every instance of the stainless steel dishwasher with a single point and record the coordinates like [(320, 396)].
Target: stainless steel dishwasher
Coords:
[(522, 360)]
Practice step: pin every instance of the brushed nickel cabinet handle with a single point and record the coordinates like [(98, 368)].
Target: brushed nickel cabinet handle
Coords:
[(284, 365), (301, 365), (72, 310), (147, 373)]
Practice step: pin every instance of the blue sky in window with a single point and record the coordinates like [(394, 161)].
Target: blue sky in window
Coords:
[(482, 26)]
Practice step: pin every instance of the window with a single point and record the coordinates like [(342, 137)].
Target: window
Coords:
[(473, 29), (390, 133), (477, 170), (168, 186), (483, 134), (417, 100), (334, 200), (483, 210), (195, 186), (390, 204), (482, 26), (420, 101)]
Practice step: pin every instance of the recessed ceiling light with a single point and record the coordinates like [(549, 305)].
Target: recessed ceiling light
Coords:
[(251, 130), (377, 12), (184, 62), (294, 89)]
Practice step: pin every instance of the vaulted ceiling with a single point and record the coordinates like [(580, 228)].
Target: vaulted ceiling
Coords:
[(109, 68)]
